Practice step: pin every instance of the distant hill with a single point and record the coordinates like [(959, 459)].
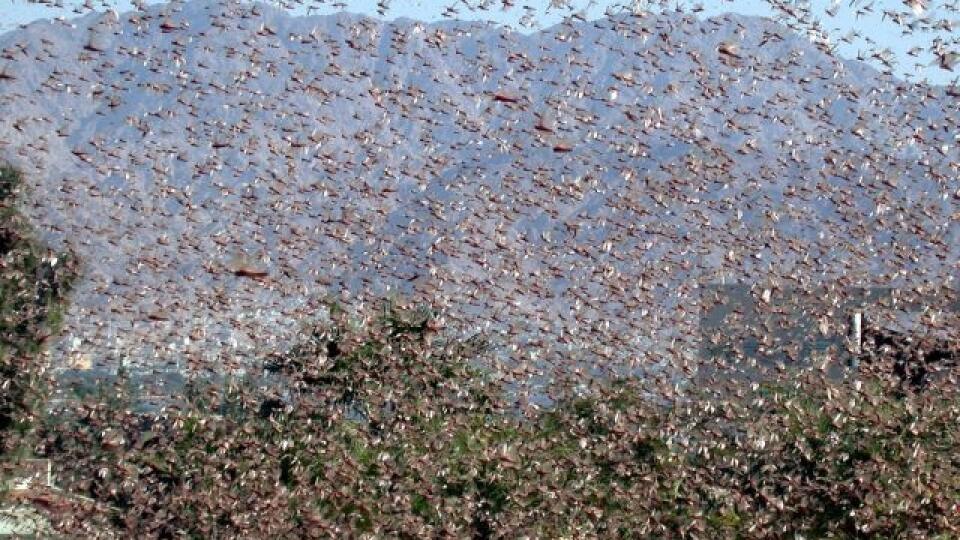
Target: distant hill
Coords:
[(220, 166)]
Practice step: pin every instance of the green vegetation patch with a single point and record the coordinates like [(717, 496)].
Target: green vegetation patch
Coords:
[(34, 285)]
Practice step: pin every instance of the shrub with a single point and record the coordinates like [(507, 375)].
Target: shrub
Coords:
[(34, 283), (390, 428)]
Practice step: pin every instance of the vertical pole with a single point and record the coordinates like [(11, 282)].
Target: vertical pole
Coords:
[(856, 332)]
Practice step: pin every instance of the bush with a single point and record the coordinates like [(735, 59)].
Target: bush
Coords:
[(389, 428), (34, 283)]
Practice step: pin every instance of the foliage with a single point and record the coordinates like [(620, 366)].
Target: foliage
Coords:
[(390, 429), (34, 283)]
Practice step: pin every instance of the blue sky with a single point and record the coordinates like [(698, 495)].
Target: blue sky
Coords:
[(872, 26)]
